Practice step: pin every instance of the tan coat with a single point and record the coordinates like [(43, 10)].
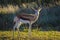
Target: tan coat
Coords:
[(30, 17)]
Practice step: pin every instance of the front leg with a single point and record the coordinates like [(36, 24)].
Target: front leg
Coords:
[(29, 31)]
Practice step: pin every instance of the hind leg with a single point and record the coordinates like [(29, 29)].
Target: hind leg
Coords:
[(18, 26), (14, 29)]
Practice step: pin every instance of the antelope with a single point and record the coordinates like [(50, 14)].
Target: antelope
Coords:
[(26, 18)]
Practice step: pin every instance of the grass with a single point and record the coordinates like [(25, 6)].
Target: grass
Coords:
[(36, 35)]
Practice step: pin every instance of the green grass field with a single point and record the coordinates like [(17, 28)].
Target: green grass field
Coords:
[(36, 35)]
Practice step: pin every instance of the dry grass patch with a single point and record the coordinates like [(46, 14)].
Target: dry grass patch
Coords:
[(9, 9)]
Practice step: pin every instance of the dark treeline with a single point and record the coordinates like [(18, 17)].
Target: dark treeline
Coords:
[(18, 2), (15, 2)]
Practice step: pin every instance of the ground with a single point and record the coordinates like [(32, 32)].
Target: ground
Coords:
[(36, 35)]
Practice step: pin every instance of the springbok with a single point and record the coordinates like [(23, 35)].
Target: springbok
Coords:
[(26, 18)]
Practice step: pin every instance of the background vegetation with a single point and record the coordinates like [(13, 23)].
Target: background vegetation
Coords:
[(49, 16)]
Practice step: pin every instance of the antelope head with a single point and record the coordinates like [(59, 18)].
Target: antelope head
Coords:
[(38, 9)]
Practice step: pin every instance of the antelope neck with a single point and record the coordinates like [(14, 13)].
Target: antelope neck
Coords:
[(36, 12)]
